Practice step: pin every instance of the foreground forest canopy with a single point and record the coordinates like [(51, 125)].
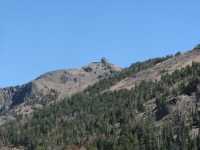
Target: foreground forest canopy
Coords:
[(154, 115)]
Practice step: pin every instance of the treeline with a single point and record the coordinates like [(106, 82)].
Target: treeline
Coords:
[(127, 72)]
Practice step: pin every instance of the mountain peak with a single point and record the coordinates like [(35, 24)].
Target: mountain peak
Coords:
[(66, 82)]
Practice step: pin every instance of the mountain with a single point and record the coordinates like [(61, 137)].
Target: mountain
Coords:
[(150, 105), (66, 82)]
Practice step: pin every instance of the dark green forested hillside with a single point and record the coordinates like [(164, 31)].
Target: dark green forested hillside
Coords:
[(118, 120)]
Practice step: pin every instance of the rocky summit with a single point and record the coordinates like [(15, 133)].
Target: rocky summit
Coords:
[(66, 82)]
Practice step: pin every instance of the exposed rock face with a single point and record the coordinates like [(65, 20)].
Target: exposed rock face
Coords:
[(6, 95), (104, 60), (23, 93), (10, 96), (66, 82)]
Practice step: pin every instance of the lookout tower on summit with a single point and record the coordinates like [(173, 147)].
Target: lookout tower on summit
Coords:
[(104, 60)]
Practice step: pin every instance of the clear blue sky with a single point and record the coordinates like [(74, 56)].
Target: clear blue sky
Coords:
[(40, 36)]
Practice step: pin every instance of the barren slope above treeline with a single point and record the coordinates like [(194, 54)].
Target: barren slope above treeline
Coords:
[(168, 66), (65, 82)]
